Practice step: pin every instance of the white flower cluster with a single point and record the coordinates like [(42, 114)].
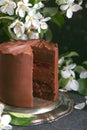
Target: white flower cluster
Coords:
[(28, 21), (4, 119), (68, 72), (69, 6)]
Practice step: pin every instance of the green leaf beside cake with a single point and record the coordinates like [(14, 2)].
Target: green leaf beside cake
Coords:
[(21, 119)]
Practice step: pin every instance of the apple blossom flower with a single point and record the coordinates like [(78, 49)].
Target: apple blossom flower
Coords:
[(5, 119), (43, 22), (32, 19), (68, 71), (18, 28), (4, 122), (71, 7), (7, 6), (38, 5), (72, 85), (23, 7), (43, 25), (83, 74)]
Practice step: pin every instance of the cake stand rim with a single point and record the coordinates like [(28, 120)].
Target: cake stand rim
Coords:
[(61, 110)]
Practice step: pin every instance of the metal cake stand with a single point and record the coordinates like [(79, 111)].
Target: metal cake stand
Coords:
[(46, 111)]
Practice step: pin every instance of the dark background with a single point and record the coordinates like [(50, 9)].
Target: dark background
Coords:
[(73, 34)]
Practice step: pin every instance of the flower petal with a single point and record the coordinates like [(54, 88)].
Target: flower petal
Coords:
[(74, 85), (61, 60), (5, 119), (80, 106), (21, 13), (69, 13), (72, 66), (83, 75), (64, 7), (72, 73), (76, 7), (44, 25), (65, 74), (68, 87), (70, 1), (7, 127)]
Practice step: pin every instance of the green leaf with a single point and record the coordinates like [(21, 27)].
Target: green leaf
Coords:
[(79, 68), (63, 82), (42, 33), (69, 54), (68, 61), (58, 19), (4, 18), (11, 34), (82, 86), (21, 119), (49, 11), (34, 1), (85, 64), (48, 35)]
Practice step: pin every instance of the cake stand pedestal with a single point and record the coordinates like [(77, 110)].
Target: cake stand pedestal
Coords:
[(47, 111)]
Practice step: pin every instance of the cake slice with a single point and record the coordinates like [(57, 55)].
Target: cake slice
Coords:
[(45, 70)]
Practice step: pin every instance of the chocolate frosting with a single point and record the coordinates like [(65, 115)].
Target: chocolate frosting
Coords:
[(16, 61)]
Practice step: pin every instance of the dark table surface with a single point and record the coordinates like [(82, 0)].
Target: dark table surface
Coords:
[(76, 120)]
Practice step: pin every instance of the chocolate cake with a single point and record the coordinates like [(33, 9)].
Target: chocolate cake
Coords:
[(28, 70)]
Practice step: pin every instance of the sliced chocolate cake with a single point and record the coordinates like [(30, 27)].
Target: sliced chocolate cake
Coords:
[(28, 69)]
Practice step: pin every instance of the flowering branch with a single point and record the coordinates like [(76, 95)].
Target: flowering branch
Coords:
[(72, 76), (29, 19)]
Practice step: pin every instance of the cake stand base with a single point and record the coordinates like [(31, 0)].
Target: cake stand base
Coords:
[(64, 108), (46, 111)]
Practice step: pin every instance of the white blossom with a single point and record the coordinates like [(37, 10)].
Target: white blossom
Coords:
[(32, 20), (72, 85), (23, 7), (18, 28), (4, 122), (83, 74), (4, 119), (68, 71), (7, 6), (71, 7), (38, 5), (43, 24)]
